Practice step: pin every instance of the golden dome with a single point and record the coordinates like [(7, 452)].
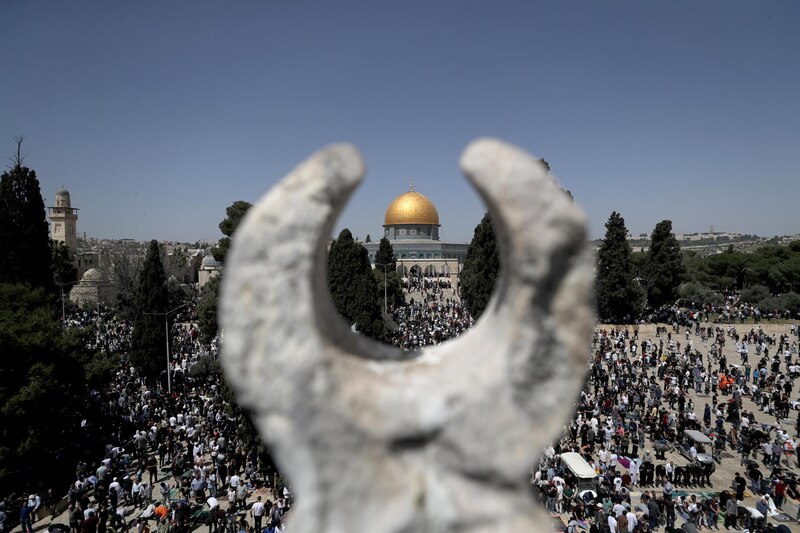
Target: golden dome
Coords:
[(411, 208)]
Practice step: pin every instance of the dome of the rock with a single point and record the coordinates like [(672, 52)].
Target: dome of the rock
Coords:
[(411, 208)]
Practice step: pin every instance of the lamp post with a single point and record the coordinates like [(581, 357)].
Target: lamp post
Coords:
[(63, 308), (166, 333), (384, 265)]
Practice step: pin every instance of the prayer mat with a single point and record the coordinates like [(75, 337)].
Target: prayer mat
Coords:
[(781, 517)]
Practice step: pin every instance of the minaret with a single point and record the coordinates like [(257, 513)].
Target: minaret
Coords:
[(64, 220)]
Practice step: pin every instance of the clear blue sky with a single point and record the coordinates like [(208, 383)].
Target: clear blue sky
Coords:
[(158, 115)]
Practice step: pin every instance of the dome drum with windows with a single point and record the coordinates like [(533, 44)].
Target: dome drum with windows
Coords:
[(411, 216)]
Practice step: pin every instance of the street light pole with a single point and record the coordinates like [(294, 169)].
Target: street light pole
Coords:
[(63, 308), (384, 265), (166, 338)]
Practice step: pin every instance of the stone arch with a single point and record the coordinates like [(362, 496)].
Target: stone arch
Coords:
[(430, 270), (445, 270), (415, 270)]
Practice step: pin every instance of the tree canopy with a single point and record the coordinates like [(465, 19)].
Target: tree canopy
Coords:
[(386, 272), (353, 286), (235, 213), (481, 268), (207, 309), (148, 338), (664, 269), (24, 233), (64, 271), (42, 387), (385, 255), (620, 298), (767, 277)]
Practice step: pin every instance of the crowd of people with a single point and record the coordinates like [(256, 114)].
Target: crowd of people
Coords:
[(659, 411), (427, 288), (421, 324), (659, 414), (732, 309), (172, 460)]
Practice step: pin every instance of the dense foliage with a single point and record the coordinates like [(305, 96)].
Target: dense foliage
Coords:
[(24, 234), (235, 213), (44, 372), (620, 298), (386, 273), (768, 277), (664, 270), (353, 286), (207, 309), (42, 387), (149, 337), (775, 267), (385, 255), (481, 268), (64, 271)]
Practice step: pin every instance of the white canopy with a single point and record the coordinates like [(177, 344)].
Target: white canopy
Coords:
[(578, 465), (697, 436)]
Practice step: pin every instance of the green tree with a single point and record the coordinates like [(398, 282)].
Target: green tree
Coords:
[(664, 269), (148, 338), (353, 287), (385, 255), (24, 233), (619, 295), (235, 213), (395, 296), (206, 366), (64, 271), (42, 388), (177, 292), (385, 260), (756, 295), (694, 293), (207, 309), (481, 268)]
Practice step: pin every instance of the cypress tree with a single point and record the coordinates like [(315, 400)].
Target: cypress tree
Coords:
[(353, 286), (24, 232), (619, 296), (664, 267), (148, 338), (367, 308), (481, 268), (385, 255)]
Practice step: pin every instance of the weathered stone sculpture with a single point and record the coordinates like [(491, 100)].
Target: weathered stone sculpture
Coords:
[(376, 440)]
